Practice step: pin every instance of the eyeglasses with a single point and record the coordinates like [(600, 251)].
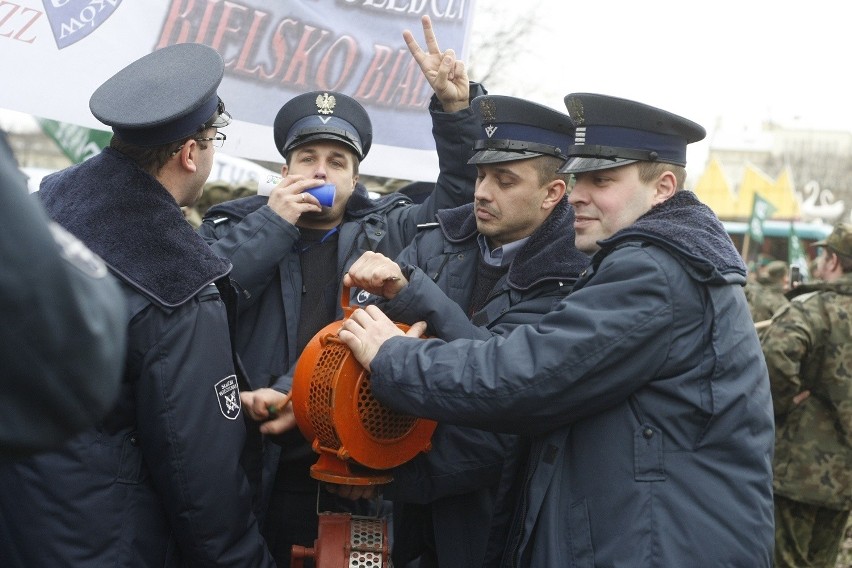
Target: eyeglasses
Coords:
[(218, 141)]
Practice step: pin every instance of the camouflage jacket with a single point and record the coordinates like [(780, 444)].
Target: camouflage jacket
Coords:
[(808, 347), (764, 300)]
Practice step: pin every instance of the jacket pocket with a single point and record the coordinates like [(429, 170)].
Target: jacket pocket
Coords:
[(582, 552), (648, 454), (130, 467)]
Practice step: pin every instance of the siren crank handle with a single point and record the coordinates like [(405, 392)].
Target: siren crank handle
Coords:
[(276, 409)]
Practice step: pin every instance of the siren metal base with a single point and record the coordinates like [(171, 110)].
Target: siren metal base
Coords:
[(333, 470), (346, 541)]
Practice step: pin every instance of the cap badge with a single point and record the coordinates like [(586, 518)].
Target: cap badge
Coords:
[(575, 111), (490, 130), (326, 103), (488, 110)]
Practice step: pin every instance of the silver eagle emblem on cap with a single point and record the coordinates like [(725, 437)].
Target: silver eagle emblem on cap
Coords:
[(488, 110), (575, 111), (326, 103)]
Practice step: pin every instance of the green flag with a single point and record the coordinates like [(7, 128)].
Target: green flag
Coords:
[(76, 142), (795, 253), (760, 211)]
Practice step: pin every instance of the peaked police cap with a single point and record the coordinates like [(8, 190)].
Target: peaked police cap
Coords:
[(612, 132), (323, 115), (165, 96), (517, 129)]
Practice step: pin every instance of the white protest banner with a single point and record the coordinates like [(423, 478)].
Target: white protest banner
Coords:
[(55, 53)]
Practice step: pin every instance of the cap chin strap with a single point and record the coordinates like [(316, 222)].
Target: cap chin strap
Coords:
[(612, 153), (519, 146)]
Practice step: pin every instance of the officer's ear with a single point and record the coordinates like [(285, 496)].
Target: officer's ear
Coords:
[(189, 155), (556, 189), (665, 186), (183, 157)]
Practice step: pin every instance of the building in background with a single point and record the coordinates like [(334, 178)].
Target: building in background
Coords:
[(804, 173)]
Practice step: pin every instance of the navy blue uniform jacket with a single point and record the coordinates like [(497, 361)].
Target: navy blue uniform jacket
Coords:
[(159, 481), (646, 397), (457, 481)]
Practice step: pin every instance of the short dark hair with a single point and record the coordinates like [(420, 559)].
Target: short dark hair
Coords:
[(152, 159), (547, 167), (649, 171)]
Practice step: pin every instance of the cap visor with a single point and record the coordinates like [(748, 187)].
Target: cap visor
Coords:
[(326, 136), (496, 156), (821, 243), (579, 164)]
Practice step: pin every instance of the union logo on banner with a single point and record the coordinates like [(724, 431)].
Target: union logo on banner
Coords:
[(73, 20)]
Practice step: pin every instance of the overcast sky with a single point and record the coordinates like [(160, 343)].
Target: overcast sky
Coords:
[(730, 60)]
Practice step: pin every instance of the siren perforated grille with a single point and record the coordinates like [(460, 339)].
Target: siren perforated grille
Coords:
[(379, 421), (366, 539), (320, 395)]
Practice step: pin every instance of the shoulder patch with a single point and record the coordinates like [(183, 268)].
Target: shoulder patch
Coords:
[(228, 395), (76, 253)]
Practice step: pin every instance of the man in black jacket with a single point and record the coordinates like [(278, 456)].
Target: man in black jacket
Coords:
[(482, 269), (62, 334), (643, 391), (290, 253), (159, 481)]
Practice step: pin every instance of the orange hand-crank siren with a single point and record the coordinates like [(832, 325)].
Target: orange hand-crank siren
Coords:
[(357, 438)]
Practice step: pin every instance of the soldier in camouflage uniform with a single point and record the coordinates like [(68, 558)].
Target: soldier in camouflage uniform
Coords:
[(766, 295), (809, 355)]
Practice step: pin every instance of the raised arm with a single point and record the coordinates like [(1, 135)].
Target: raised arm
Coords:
[(454, 128), (446, 74)]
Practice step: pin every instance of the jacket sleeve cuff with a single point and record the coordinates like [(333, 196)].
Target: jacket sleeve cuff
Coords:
[(475, 90)]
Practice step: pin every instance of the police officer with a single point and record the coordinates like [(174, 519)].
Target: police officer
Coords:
[(483, 268), (809, 354), (62, 331), (290, 253), (643, 391), (158, 481)]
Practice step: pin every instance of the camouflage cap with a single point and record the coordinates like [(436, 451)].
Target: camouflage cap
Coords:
[(776, 270), (840, 240)]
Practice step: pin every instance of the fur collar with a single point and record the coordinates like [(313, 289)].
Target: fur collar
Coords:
[(549, 254), (129, 219), (689, 230)]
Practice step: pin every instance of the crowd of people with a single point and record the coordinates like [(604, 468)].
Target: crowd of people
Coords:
[(612, 386)]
